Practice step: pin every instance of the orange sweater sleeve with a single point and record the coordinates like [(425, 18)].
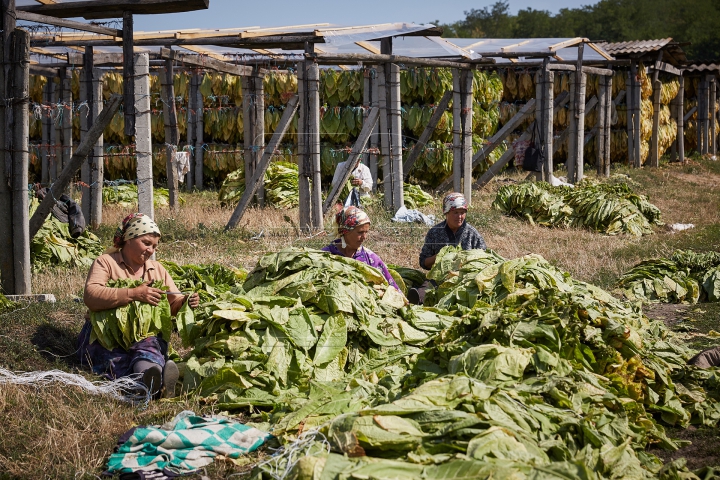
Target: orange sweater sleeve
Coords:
[(97, 295)]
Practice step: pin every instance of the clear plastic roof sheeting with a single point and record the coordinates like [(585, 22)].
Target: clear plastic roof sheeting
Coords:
[(346, 35)]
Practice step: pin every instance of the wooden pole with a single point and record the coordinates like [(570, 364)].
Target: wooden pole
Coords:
[(702, 116), (143, 137), (20, 132), (54, 159), (172, 135), (575, 161), (313, 93), (419, 146), (193, 115), (46, 123), (304, 168), (373, 158), (86, 118), (385, 136), (655, 139), (67, 102), (608, 123), (602, 115), (396, 160), (7, 258), (259, 131), (71, 168), (97, 175), (544, 114), (629, 124), (128, 69), (268, 153), (462, 132), (199, 135), (637, 118), (355, 153), (713, 116), (681, 121), (254, 128)]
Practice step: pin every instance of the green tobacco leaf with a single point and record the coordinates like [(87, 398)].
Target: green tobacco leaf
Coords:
[(331, 341)]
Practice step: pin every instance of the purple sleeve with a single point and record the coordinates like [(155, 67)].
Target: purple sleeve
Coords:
[(378, 263)]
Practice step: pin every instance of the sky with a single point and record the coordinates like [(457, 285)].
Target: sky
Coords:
[(269, 13)]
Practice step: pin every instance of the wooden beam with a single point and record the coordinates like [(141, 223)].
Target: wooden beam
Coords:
[(206, 63), (370, 59), (93, 9), (287, 42), (369, 47), (99, 58), (58, 22), (259, 174), (566, 43), (667, 68), (355, 153), (43, 71), (70, 170), (417, 149), (600, 51)]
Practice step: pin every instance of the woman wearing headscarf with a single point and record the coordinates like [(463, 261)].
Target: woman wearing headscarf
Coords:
[(454, 230), (134, 244), (353, 226)]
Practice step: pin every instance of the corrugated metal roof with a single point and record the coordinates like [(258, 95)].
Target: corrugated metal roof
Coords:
[(703, 66), (636, 46)]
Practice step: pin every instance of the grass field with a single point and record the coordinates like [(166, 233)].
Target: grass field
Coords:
[(61, 432)]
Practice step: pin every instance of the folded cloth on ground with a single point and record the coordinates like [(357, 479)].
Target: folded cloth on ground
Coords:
[(184, 445), (413, 216)]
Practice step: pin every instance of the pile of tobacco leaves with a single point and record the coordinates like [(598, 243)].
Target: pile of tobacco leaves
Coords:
[(126, 195), (610, 208), (685, 277), (207, 280), (281, 186), (6, 304), (53, 246), (512, 369)]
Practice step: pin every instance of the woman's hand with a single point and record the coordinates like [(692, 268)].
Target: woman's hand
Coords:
[(194, 300), (147, 294)]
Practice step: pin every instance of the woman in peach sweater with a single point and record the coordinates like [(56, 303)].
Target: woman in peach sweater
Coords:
[(135, 243)]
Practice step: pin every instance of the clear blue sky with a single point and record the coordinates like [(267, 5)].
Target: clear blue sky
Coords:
[(268, 13)]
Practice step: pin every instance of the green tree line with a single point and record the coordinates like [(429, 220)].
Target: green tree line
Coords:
[(694, 21)]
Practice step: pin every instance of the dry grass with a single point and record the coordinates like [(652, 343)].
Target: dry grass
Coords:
[(62, 433)]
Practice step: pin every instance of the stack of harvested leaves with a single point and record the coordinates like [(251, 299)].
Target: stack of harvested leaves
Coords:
[(541, 376), (6, 304), (685, 277), (126, 195), (207, 280), (281, 186), (53, 246), (606, 208)]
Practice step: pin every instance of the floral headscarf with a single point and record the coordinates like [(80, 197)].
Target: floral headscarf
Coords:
[(454, 201), (133, 226), (348, 218)]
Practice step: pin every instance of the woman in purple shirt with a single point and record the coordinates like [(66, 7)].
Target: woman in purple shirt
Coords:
[(353, 226)]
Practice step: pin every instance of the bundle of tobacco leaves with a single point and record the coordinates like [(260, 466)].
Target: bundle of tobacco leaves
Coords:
[(606, 208), (123, 326), (6, 304), (207, 280), (126, 195), (685, 277), (281, 186)]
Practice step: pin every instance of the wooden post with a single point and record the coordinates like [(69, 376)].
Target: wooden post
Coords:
[(67, 103), (199, 136), (396, 160), (46, 123), (713, 116), (97, 175), (313, 93), (254, 127), (635, 115), (86, 117), (143, 137), (544, 114), (71, 168), (269, 151), (172, 135), (7, 258), (608, 124), (192, 128), (575, 161), (128, 69), (602, 117), (55, 155), (20, 132), (655, 139), (702, 117), (304, 168), (681, 121), (462, 132), (629, 123), (385, 136)]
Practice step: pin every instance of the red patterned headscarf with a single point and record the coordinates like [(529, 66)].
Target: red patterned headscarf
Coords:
[(348, 218), (454, 201), (133, 226)]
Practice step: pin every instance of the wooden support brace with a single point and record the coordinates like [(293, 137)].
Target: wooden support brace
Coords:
[(355, 153), (417, 149), (72, 167), (506, 130), (58, 22), (208, 63), (259, 173), (689, 114)]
